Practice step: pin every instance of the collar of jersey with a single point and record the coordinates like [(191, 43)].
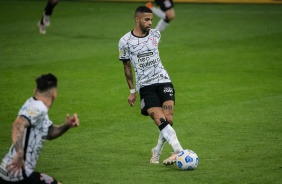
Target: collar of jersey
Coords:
[(140, 36)]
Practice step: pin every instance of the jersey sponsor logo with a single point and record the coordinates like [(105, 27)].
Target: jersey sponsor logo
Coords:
[(145, 54), (148, 63)]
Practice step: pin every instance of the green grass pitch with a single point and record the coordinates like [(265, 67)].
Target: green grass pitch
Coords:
[(226, 65)]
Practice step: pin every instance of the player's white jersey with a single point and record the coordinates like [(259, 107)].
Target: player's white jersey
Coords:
[(144, 56), (34, 136)]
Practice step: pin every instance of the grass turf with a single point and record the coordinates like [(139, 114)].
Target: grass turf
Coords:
[(225, 63)]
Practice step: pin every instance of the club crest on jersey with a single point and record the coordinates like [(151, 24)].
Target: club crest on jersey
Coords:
[(168, 90), (154, 41)]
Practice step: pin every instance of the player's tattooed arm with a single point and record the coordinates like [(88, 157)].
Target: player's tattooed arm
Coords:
[(17, 137), (56, 131), (18, 132), (129, 79), (128, 74)]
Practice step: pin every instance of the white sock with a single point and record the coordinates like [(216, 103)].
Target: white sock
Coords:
[(161, 142), (159, 13), (170, 136), (161, 25)]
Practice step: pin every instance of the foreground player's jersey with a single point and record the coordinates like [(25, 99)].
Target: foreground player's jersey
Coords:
[(144, 56), (34, 136)]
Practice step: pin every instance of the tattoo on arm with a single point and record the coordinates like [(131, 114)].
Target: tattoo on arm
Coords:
[(164, 107), (170, 107), (56, 131), (19, 138), (128, 74), (18, 133)]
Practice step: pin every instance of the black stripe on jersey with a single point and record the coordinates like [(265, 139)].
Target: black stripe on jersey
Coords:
[(25, 147)]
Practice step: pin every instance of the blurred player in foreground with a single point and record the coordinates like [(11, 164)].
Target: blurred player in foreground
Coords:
[(30, 129), (45, 19), (139, 48), (165, 12)]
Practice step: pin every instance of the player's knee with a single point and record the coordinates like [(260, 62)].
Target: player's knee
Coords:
[(170, 15), (156, 117), (169, 118)]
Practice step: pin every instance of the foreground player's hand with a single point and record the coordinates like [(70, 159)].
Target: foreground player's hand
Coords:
[(16, 166), (72, 121), (131, 98)]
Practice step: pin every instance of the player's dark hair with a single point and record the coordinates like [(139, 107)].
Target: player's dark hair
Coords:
[(46, 82), (142, 9)]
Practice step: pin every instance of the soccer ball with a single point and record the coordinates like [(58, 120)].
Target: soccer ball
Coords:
[(187, 160)]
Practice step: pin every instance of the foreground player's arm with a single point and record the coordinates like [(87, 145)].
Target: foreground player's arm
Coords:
[(57, 131), (17, 137), (128, 74), (129, 79)]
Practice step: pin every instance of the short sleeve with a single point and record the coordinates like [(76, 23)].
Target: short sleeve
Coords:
[(34, 113), (123, 50)]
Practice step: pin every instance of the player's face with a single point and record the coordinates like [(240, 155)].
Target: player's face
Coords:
[(145, 22)]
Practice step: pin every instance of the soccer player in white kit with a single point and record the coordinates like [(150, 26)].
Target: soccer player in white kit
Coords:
[(45, 19), (30, 129), (139, 48)]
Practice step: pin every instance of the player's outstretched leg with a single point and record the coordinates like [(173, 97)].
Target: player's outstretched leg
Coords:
[(45, 19), (170, 135), (165, 15), (157, 11), (48, 10), (163, 23)]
